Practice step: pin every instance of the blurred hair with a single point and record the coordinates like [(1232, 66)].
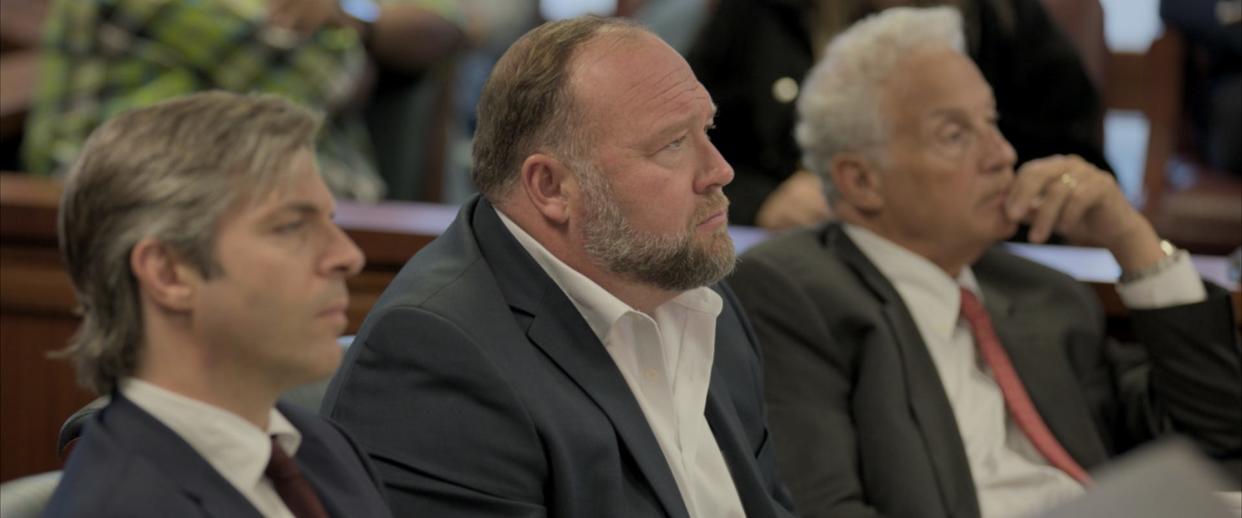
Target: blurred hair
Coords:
[(839, 110)]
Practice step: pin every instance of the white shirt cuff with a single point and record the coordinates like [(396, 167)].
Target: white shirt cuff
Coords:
[(1176, 285)]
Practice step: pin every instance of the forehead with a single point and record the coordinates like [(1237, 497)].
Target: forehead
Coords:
[(299, 182), (930, 82), (634, 78)]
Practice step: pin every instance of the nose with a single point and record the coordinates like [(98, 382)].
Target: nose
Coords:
[(1000, 153), (716, 172), (343, 256)]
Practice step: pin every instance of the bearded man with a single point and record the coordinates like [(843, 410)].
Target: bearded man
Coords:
[(564, 349)]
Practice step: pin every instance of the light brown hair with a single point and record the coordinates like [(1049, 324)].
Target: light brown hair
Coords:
[(170, 171)]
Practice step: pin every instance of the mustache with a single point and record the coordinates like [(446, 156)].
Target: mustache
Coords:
[(716, 202)]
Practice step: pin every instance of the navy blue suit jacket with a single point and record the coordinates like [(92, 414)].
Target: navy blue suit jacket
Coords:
[(479, 390), (128, 464)]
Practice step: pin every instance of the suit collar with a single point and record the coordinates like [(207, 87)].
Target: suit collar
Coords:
[(145, 436), (1026, 338), (560, 332), (924, 390)]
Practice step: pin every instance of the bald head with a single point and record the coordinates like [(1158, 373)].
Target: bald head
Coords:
[(527, 104)]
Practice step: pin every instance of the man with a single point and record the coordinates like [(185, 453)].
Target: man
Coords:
[(880, 404), (563, 348), (103, 57), (199, 237)]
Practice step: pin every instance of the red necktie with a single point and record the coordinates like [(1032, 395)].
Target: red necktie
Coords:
[(293, 489), (1017, 401)]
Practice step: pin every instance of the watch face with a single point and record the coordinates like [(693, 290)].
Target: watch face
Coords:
[(365, 10)]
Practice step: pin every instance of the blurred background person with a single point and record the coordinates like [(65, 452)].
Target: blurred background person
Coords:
[(1213, 77), (753, 54), (102, 57)]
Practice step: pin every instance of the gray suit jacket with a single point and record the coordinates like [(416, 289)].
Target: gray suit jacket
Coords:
[(479, 390), (862, 422)]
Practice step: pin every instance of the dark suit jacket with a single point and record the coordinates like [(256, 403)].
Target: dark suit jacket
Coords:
[(858, 412), (747, 45), (128, 464), (479, 390)]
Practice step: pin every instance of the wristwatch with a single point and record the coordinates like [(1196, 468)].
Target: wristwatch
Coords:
[(1172, 255)]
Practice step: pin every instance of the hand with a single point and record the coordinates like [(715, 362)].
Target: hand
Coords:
[(305, 16), (1069, 196), (797, 201)]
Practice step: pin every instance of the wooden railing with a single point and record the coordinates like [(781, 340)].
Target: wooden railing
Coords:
[(36, 300)]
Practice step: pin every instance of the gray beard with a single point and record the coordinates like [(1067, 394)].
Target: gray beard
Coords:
[(668, 262)]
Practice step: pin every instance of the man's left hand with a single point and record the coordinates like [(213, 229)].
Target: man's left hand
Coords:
[(1069, 196)]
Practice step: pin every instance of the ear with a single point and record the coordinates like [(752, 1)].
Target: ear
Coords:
[(858, 182), (549, 185), (164, 278)]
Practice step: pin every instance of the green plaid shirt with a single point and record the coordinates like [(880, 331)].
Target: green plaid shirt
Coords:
[(102, 57)]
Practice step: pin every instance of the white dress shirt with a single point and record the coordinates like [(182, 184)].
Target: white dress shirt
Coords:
[(237, 449), (1010, 475), (666, 359)]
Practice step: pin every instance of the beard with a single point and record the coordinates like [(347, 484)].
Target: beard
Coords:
[(671, 262)]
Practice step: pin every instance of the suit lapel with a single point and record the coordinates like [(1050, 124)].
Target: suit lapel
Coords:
[(736, 450), (563, 335), (145, 435), (924, 390), (1049, 380)]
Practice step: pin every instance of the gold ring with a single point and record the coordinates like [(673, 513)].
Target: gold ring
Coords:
[(1069, 181)]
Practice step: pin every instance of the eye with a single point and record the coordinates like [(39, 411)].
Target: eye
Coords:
[(291, 226), (677, 144), (952, 133)]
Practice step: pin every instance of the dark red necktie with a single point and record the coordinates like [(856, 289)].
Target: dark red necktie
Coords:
[(293, 489), (1017, 401)]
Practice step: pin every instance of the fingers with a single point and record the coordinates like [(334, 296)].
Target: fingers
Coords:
[(1061, 194), (1044, 217), (1029, 185)]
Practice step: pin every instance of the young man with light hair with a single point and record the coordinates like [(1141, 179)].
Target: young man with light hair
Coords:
[(199, 238), (914, 369)]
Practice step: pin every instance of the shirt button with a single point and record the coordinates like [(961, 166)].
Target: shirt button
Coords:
[(650, 374)]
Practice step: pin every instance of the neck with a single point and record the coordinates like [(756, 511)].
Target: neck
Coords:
[(176, 363), (949, 257), (556, 240)]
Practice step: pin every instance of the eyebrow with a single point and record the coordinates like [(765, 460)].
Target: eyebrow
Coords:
[(681, 124), (301, 208)]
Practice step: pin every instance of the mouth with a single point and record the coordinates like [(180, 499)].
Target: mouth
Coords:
[(336, 310), (716, 218)]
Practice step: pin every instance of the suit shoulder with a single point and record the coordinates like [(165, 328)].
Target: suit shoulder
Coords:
[(790, 245), (103, 480), (1021, 272)]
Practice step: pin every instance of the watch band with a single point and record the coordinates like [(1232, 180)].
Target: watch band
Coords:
[(1172, 255)]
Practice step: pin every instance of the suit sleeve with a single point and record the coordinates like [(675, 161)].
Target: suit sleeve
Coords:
[(807, 389), (1193, 379), (443, 428)]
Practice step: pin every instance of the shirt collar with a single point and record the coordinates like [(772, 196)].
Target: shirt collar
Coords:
[(237, 449), (598, 306), (933, 298)]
